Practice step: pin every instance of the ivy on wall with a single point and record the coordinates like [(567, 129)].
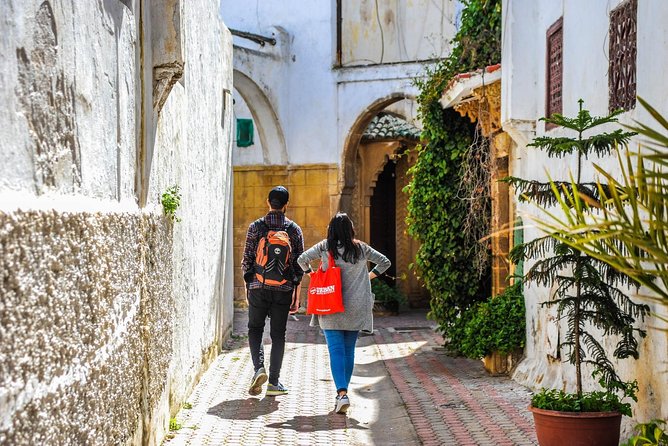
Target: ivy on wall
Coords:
[(445, 260)]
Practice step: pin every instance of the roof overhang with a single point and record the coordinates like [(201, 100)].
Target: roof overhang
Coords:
[(460, 89)]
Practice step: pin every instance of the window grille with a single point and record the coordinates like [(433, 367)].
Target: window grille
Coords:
[(623, 49), (555, 39)]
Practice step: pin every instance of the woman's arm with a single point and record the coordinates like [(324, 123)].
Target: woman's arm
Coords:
[(311, 254), (382, 262)]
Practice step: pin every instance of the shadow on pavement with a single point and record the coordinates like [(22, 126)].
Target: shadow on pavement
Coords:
[(244, 409), (313, 423)]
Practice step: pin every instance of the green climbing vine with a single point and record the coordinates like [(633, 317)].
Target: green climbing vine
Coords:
[(436, 214)]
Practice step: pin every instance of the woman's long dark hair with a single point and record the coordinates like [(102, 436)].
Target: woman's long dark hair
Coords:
[(340, 232)]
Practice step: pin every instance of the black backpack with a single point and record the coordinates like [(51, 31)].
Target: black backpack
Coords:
[(272, 257)]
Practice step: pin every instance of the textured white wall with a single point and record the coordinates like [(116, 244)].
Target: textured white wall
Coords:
[(116, 311), (585, 67), (83, 57), (193, 150)]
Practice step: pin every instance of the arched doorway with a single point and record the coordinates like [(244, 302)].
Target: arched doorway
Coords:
[(376, 199), (268, 127), (350, 160), (383, 215)]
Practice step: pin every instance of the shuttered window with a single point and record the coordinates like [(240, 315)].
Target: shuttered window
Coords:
[(554, 81), (244, 132)]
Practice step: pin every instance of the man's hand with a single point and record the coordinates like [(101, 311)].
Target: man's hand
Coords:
[(295, 300)]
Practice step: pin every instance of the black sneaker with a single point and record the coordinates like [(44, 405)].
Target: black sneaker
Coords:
[(259, 378), (342, 404), (276, 390)]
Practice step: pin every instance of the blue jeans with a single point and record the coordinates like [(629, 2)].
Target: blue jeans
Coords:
[(341, 345)]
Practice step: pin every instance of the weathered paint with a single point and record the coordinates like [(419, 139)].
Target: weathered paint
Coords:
[(523, 102), (109, 312), (396, 30), (297, 88)]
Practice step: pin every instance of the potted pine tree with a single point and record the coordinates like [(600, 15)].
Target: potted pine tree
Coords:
[(589, 296)]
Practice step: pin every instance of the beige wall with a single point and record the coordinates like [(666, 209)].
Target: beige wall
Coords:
[(313, 201)]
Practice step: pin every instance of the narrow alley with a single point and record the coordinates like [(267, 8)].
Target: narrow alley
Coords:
[(501, 165), (405, 391)]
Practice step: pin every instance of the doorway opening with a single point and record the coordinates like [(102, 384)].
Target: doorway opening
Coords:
[(383, 217)]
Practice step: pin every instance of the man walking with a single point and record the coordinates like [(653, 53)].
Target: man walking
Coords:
[(273, 280)]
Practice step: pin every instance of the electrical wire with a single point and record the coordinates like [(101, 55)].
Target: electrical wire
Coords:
[(382, 35)]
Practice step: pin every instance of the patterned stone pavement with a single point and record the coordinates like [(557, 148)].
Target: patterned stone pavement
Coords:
[(404, 391)]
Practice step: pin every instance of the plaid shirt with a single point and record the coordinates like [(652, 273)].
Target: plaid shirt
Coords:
[(276, 220)]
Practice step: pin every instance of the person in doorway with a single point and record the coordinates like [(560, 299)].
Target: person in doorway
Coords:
[(341, 329), (272, 277)]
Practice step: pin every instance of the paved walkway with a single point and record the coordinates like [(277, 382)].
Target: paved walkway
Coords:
[(404, 391)]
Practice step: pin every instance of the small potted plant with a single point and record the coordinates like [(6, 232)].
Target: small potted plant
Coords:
[(387, 296), (493, 330), (588, 295)]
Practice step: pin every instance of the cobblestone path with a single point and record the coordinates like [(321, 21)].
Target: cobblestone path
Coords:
[(405, 391)]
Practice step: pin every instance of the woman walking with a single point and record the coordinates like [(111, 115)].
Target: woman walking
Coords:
[(341, 329)]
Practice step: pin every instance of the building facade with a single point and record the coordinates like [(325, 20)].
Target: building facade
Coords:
[(605, 53), (311, 80), (110, 311)]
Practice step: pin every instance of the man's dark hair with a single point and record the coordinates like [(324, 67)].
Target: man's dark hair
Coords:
[(278, 197)]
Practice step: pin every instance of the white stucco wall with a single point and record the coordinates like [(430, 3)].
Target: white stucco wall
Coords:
[(292, 74), (315, 104), (55, 64), (396, 30), (193, 150), (115, 310), (255, 153), (585, 67)]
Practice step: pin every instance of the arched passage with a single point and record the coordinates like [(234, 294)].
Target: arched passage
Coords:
[(373, 176), (274, 149), (351, 147)]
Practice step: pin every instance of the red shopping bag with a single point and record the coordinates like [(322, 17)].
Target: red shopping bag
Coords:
[(324, 291)]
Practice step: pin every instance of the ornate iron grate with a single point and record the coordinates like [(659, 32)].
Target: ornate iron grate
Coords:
[(623, 49), (554, 81)]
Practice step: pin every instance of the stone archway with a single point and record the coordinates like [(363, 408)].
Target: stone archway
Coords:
[(274, 149)]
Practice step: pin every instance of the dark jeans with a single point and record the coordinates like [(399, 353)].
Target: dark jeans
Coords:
[(275, 304)]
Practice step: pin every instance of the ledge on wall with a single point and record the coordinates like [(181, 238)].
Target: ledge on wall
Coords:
[(461, 87)]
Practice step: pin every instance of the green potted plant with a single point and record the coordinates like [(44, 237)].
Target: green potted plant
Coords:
[(588, 294), (631, 234), (496, 325), (389, 297), (652, 433)]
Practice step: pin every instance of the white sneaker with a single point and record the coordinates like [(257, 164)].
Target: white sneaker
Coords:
[(342, 404)]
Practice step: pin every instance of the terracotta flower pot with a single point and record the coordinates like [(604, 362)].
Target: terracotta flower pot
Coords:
[(554, 428)]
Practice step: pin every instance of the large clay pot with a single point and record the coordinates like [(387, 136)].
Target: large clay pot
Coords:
[(554, 428)]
